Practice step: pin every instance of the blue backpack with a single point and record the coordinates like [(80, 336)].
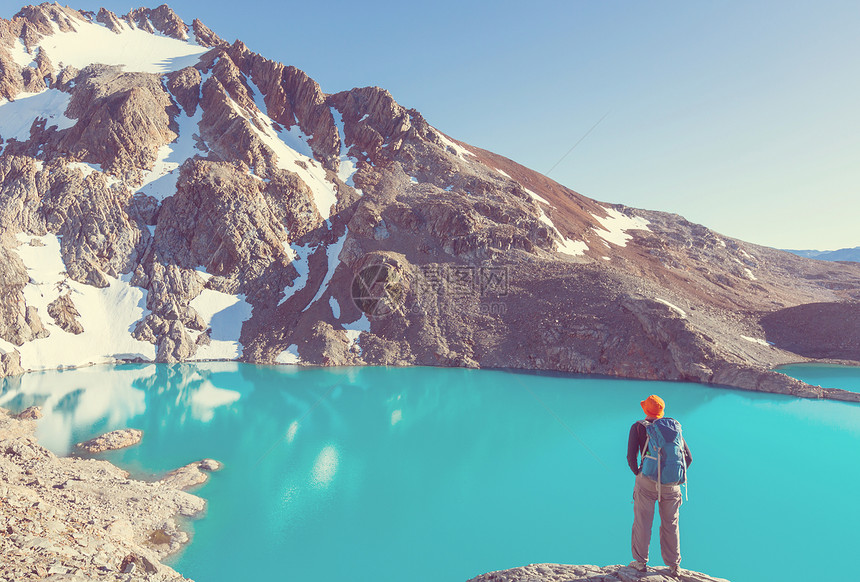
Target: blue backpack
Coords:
[(663, 459)]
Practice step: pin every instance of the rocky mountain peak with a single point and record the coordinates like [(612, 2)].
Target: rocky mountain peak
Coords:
[(221, 205), (161, 19), (205, 36)]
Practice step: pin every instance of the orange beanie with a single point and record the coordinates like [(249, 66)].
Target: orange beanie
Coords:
[(653, 406)]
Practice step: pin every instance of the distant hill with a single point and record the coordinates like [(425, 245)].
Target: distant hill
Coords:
[(838, 255)]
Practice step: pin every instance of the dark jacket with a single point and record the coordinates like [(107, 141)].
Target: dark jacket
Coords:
[(636, 447)]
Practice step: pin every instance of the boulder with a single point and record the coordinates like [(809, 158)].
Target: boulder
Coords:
[(117, 439), (64, 314), (30, 413), (190, 475)]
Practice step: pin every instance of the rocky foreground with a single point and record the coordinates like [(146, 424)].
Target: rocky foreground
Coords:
[(84, 519), (565, 573)]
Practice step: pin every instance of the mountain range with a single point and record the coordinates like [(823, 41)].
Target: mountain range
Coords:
[(168, 196), (849, 254)]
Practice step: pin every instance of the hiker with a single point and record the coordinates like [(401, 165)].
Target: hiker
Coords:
[(657, 482)]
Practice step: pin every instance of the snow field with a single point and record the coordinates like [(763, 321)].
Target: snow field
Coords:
[(224, 314), (16, 117), (616, 225), (536, 196), (133, 49), (20, 55), (107, 315)]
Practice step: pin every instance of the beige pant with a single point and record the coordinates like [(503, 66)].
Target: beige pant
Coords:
[(644, 498)]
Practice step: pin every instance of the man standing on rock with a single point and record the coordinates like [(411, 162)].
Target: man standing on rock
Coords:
[(665, 458)]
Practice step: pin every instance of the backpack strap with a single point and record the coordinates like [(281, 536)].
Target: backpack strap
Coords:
[(686, 478), (645, 452)]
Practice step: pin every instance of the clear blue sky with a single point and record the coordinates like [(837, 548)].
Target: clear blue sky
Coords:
[(743, 116)]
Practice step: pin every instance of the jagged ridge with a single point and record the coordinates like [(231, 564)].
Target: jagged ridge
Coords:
[(218, 204)]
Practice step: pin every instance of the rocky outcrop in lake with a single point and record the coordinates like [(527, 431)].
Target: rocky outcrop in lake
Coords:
[(111, 441), (209, 203)]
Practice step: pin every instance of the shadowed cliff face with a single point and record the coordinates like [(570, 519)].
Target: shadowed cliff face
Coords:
[(221, 205), (816, 330)]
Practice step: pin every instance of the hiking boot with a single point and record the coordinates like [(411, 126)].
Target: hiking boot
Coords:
[(675, 571), (637, 565)]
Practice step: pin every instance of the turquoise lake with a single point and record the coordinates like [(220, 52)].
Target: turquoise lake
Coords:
[(436, 475)]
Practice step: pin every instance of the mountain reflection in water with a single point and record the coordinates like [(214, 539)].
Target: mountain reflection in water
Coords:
[(449, 473)]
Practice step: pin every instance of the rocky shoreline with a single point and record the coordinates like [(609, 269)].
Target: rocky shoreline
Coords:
[(84, 519)]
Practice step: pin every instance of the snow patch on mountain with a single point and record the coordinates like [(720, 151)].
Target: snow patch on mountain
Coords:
[(289, 355), (132, 48), (224, 314), (348, 165), (354, 329), (160, 181), (107, 315), (359, 325), (536, 196), (333, 256), (293, 137), (671, 306), (459, 150), (20, 55), (88, 169), (17, 117), (566, 245), (616, 224), (572, 247), (756, 340), (83, 167), (300, 255), (309, 170)]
